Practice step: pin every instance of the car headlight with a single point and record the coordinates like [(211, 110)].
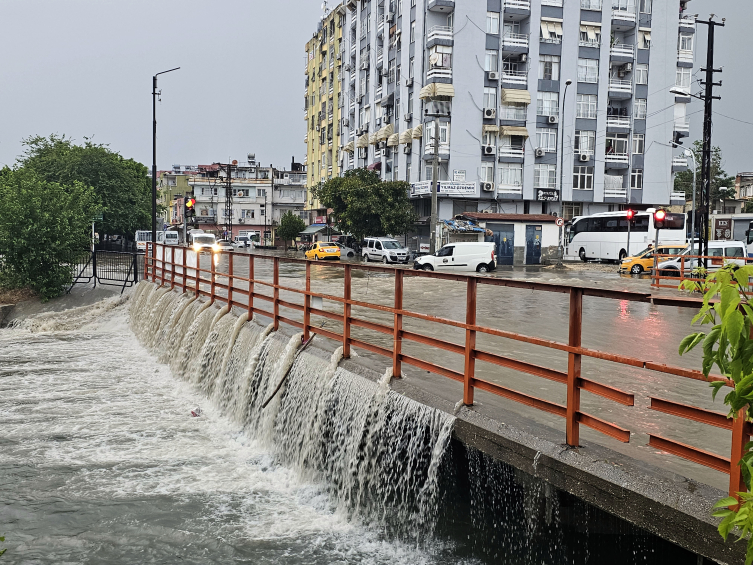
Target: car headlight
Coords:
[(196, 247), (215, 248)]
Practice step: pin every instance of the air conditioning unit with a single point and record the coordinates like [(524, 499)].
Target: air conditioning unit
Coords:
[(408, 117), (407, 149), (490, 113), (385, 73), (346, 67), (539, 152), (487, 149), (487, 186), (379, 121), (552, 119), (492, 75), (408, 82), (389, 18), (523, 58), (627, 67), (382, 145), (241, 220), (346, 122), (359, 98), (584, 157), (364, 65), (386, 120)]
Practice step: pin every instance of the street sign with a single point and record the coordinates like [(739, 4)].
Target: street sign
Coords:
[(560, 222), (98, 217)]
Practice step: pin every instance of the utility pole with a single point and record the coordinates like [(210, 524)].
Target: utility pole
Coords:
[(434, 189), (708, 99), (561, 167)]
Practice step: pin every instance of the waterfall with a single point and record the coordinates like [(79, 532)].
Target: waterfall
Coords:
[(378, 453)]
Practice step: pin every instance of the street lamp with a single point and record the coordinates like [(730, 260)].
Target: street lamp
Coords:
[(562, 160), (689, 153), (154, 160)]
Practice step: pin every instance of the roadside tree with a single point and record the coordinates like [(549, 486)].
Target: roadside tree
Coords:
[(722, 185), (290, 226)]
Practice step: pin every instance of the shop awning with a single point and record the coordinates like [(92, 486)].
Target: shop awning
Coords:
[(313, 228), (513, 130), (406, 136), (489, 128), (373, 138), (384, 133), (349, 147), (363, 141), (516, 96), (418, 132), (393, 140), (435, 89)]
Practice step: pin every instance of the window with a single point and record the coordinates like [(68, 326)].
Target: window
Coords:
[(545, 176), (683, 77), (646, 6), (685, 42), (571, 210), (551, 32), (639, 143), (391, 71), (487, 172), (583, 178), (490, 97), (639, 109), (247, 214), (547, 103), (636, 179), (510, 174), (617, 144), (546, 138), (397, 74), (451, 20), (644, 39), (261, 192), (491, 62), (641, 74), (410, 67), (590, 36), (412, 32), (511, 111), (588, 70), (585, 142), (489, 138), (444, 133), (549, 67), (440, 56), (586, 106), (492, 22), (410, 103)]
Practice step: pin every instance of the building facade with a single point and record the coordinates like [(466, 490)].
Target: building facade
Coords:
[(323, 104), (490, 79), (744, 186)]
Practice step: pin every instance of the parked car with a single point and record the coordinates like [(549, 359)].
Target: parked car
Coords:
[(644, 261), (384, 249), (323, 250), (243, 242), (457, 257), (346, 251), (721, 249), (223, 245)]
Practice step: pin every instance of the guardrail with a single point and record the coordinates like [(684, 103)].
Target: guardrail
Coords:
[(166, 265), (688, 263)]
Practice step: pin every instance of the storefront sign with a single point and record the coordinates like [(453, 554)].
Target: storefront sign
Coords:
[(722, 229), (458, 175), (547, 195), (320, 219), (444, 187)]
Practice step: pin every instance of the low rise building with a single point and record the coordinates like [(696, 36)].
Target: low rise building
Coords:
[(744, 186)]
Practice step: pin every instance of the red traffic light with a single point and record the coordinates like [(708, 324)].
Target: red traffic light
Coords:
[(630, 214), (190, 203), (659, 215)]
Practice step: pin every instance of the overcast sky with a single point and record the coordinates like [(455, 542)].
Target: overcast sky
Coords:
[(84, 68)]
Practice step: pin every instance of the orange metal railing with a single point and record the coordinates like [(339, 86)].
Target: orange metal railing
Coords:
[(161, 267), (686, 267)]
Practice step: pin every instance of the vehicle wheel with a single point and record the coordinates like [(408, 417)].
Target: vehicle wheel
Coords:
[(482, 268), (582, 255), (636, 269), (385, 260), (316, 257), (670, 273), (623, 254), (351, 255), (366, 258), (428, 268)]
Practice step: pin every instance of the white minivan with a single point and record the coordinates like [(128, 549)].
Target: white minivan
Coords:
[(732, 251), (462, 256), (384, 249)]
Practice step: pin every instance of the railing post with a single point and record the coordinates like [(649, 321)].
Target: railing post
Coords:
[(397, 327), (739, 439), (153, 262), (230, 280), (573, 366), (197, 273), (307, 304), (250, 286), (94, 267), (276, 293), (346, 312), (172, 268), (135, 268), (682, 268), (212, 275), (184, 252), (470, 341)]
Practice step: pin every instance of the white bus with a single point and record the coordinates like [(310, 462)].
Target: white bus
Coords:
[(604, 236), (145, 236)]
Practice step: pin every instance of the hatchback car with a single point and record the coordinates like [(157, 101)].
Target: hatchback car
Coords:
[(644, 261), (323, 250), (223, 245)]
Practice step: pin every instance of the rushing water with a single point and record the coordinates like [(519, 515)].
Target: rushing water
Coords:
[(101, 461)]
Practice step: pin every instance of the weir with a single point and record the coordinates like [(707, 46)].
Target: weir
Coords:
[(417, 467)]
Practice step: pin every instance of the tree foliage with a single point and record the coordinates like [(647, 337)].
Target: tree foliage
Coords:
[(722, 185), (290, 226), (122, 185), (364, 205), (729, 347), (43, 227)]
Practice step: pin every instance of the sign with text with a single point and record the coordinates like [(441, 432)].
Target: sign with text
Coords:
[(444, 187), (458, 175), (547, 195), (722, 228)]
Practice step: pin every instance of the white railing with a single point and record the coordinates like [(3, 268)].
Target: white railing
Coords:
[(520, 4), (590, 43), (438, 72), (617, 158), (680, 162), (509, 113), (305, 114), (515, 40), (615, 122), (353, 77), (443, 148), (555, 3), (687, 23), (439, 32), (628, 16), (511, 151), (615, 192), (353, 50), (551, 39), (515, 77), (685, 56), (682, 124), (616, 85), (621, 50), (380, 55), (590, 5), (510, 189), (677, 196)]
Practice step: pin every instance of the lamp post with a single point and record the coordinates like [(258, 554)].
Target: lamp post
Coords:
[(689, 153), (154, 159), (562, 162)]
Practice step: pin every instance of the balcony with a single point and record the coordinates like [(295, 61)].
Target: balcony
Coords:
[(618, 122), (594, 5), (515, 77), (677, 197), (380, 58), (438, 72), (555, 3), (615, 192), (510, 190), (620, 89), (623, 18), (353, 50), (511, 151), (439, 35), (380, 25), (682, 125), (679, 164), (515, 42), (512, 113), (593, 43), (519, 5), (443, 6), (687, 24), (685, 56), (622, 52), (616, 160)]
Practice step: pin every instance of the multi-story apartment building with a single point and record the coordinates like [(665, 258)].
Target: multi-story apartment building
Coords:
[(172, 187), (744, 186), (490, 78), (324, 102)]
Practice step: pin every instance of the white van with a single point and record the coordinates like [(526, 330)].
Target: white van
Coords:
[(457, 257), (384, 249), (172, 238), (143, 237), (719, 249), (202, 241)]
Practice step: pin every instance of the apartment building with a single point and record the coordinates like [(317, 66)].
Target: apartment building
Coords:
[(744, 186), (323, 104), (172, 186), (490, 80)]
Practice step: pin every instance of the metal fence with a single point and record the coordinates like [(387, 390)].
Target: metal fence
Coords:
[(182, 269), (111, 268)]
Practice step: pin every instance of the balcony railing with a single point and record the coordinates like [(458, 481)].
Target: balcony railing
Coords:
[(520, 4), (515, 77), (687, 23), (438, 72), (590, 5), (551, 39), (680, 162), (682, 124), (515, 40), (511, 189), (443, 148), (511, 151), (508, 113), (379, 57), (439, 32), (615, 192), (624, 15), (621, 50), (677, 196), (618, 122), (617, 158), (685, 56), (555, 3), (590, 43), (624, 86)]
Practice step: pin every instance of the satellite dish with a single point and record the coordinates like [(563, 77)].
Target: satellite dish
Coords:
[(434, 58), (235, 161)]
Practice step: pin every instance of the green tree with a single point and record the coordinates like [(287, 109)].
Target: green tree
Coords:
[(722, 185), (290, 226), (364, 205), (43, 227), (122, 185)]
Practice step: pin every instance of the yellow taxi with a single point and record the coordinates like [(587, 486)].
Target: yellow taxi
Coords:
[(323, 250), (644, 261)]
